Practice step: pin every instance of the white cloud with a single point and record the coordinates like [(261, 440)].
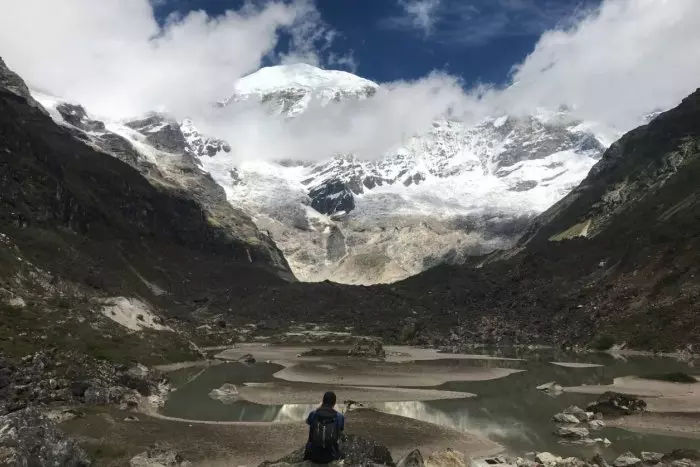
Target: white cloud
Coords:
[(613, 65), (477, 22), (621, 61), (112, 56), (416, 14), (366, 127), (344, 61)]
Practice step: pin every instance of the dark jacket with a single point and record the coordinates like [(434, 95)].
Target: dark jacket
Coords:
[(319, 455)]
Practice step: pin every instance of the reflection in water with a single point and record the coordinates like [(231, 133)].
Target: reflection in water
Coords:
[(509, 410), (458, 419), (293, 412)]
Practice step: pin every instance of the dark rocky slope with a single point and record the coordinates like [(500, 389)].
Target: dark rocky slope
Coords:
[(618, 259), (79, 225)]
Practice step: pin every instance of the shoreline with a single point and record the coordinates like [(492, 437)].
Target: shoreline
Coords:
[(682, 425)]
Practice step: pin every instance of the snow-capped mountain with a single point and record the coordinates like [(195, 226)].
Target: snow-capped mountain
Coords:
[(453, 191), (289, 89)]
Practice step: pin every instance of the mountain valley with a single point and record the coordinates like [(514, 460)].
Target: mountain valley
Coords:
[(147, 242)]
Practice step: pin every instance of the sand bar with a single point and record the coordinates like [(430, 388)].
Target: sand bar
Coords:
[(279, 393), (364, 373), (661, 396), (576, 364), (395, 353), (402, 353)]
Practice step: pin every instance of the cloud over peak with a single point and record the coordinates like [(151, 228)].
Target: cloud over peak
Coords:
[(612, 64), (113, 57)]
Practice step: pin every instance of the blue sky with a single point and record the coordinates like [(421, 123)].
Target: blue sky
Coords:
[(389, 40)]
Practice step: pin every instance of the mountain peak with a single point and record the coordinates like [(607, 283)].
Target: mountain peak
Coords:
[(300, 75)]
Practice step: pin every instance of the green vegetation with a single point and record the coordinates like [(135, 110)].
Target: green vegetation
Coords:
[(27, 330), (676, 377), (578, 230), (603, 342)]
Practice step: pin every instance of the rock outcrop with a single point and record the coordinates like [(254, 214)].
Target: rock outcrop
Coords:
[(412, 459), (227, 394), (447, 458), (368, 348), (616, 404), (55, 376), (28, 438), (627, 459), (358, 451), (159, 455)]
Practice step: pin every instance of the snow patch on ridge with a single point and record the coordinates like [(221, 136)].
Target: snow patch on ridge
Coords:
[(133, 314)]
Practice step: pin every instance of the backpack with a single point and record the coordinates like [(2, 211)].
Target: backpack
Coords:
[(324, 430)]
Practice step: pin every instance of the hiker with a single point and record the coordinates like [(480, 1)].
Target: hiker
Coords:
[(325, 426)]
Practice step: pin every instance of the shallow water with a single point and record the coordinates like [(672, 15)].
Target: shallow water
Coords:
[(509, 410)]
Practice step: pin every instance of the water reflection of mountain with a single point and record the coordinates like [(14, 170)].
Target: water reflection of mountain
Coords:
[(457, 418), (509, 410), (293, 412)]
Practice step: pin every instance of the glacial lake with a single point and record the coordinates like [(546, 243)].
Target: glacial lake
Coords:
[(509, 410)]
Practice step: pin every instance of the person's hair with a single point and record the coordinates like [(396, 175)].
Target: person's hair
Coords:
[(329, 399)]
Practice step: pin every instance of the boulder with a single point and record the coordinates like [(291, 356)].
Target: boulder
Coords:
[(130, 401), (140, 378), (248, 359), (446, 458), (412, 459), (547, 458), (651, 457), (684, 463), (616, 404), (368, 348), (28, 437), (571, 432), (520, 462), (599, 461), (553, 389), (579, 413), (627, 459), (159, 455), (227, 394), (566, 418), (572, 462), (681, 455), (596, 424), (357, 450)]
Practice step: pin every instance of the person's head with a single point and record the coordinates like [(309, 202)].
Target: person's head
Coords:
[(328, 399)]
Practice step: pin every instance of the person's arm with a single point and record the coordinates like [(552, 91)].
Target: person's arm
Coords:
[(341, 422), (310, 418)]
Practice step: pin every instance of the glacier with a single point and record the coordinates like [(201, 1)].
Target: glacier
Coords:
[(454, 191)]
